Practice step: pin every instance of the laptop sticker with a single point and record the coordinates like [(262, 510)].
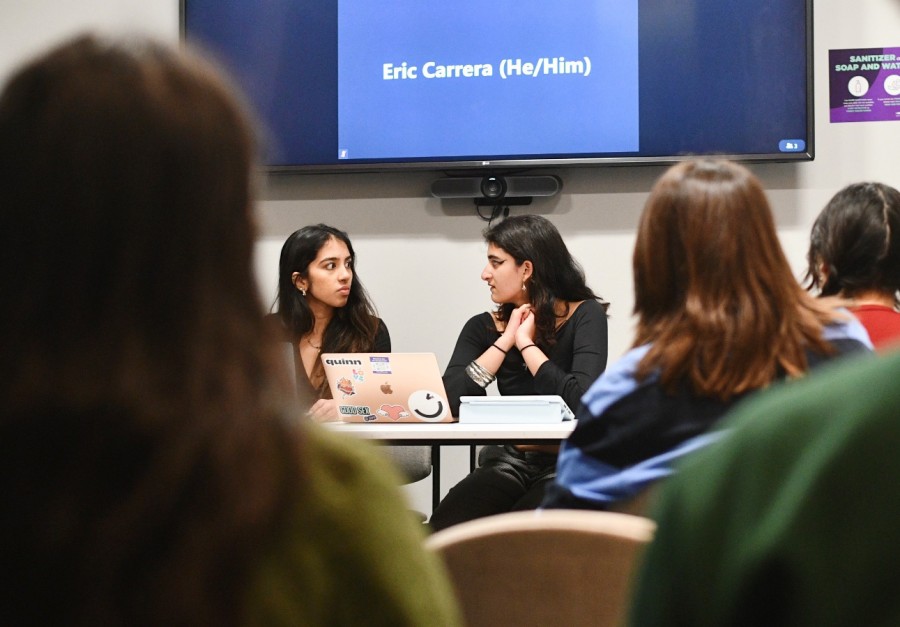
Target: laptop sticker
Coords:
[(346, 387), (394, 412), (380, 365), (427, 405)]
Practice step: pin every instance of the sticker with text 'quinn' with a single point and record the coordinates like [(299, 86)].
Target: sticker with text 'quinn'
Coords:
[(864, 84)]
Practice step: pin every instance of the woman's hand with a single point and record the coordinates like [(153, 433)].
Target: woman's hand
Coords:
[(524, 332), (534, 357), (324, 410), (512, 325)]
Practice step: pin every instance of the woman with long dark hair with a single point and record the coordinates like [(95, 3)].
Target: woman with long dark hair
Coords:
[(719, 315), (324, 308), (547, 335), (150, 471), (854, 254)]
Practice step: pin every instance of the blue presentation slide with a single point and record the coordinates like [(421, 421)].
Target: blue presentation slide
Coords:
[(468, 77)]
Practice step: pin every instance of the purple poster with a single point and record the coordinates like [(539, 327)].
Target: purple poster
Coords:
[(865, 84)]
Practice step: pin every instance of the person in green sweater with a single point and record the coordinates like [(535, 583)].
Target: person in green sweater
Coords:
[(791, 518), (351, 554), (153, 466)]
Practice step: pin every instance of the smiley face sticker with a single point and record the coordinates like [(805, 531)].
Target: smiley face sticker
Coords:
[(428, 406)]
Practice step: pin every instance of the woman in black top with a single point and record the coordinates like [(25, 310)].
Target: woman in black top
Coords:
[(548, 335)]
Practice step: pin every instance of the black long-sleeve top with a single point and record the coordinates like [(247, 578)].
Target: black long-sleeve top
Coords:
[(575, 361)]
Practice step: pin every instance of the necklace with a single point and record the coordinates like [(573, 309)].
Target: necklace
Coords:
[(318, 348)]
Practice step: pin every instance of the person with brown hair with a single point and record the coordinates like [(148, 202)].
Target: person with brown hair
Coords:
[(854, 253), (324, 308), (150, 466), (720, 315)]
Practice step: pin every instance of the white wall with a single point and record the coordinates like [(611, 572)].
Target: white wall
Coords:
[(421, 257)]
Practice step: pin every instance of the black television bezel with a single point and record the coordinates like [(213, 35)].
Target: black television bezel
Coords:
[(523, 164)]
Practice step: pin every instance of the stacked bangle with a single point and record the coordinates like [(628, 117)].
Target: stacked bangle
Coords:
[(479, 374), (522, 350), (498, 348)]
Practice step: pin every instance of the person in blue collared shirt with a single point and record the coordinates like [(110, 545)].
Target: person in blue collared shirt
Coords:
[(720, 316)]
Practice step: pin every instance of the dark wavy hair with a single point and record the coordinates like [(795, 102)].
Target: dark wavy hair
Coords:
[(556, 276), (714, 293), (144, 463), (353, 327), (857, 239)]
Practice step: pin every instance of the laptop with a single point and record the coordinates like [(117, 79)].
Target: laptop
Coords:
[(387, 387)]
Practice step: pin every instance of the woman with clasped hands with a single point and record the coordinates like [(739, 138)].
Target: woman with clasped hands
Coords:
[(548, 335)]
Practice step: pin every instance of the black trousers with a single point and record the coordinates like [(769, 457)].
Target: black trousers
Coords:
[(506, 480)]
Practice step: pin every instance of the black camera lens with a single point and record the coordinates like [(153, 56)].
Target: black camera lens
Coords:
[(493, 187)]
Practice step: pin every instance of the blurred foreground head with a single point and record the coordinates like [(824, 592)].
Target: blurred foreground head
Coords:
[(126, 229), (141, 463)]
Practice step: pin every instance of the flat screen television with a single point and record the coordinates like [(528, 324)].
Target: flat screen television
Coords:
[(503, 85)]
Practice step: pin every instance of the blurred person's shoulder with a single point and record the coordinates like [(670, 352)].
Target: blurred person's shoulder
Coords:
[(352, 552)]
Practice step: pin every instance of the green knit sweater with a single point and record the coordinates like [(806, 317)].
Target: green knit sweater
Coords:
[(354, 553), (792, 518)]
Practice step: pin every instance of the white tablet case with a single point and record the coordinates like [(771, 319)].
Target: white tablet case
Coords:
[(513, 409)]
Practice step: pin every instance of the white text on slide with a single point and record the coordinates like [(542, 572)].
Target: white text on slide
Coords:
[(509, 68)]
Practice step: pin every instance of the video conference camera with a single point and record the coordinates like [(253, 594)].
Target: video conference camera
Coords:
[(495, 189)]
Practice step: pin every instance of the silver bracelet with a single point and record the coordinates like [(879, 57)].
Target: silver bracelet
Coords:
[(473, 374), (479, 374), (484, 372)]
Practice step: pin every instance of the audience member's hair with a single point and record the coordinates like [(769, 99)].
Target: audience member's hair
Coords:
[(714, 293), (144, 463), (855, 243), (556, 275)]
